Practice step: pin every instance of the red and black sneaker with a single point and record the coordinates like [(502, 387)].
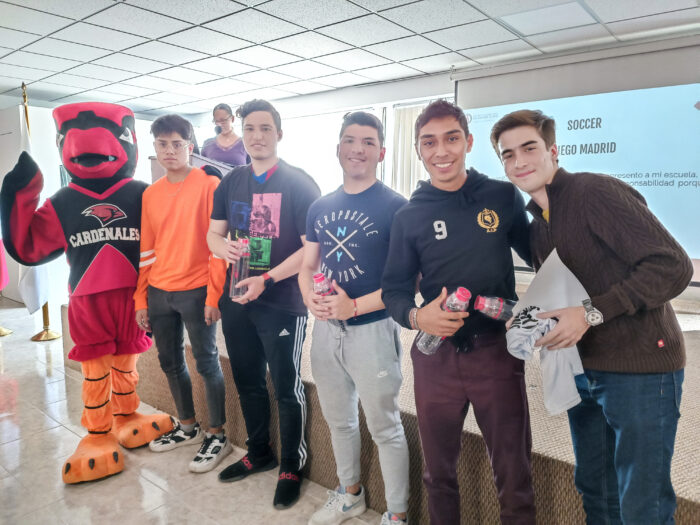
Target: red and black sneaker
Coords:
[(288, 488), (246, 466)]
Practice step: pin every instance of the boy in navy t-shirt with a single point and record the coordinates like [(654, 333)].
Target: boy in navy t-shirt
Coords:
[(347, 238)]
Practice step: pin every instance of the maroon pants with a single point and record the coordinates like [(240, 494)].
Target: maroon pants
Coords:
[(104, 324), (493, 382)]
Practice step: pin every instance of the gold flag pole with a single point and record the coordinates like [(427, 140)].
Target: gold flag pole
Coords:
[(46, 334)]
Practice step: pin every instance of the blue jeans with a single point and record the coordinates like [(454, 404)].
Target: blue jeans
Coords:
[(168, 313), (623, 433)]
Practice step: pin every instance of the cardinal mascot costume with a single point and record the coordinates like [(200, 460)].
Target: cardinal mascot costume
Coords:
[(96, 221)]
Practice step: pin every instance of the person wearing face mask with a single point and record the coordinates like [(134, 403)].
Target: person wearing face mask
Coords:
[(226, 146)]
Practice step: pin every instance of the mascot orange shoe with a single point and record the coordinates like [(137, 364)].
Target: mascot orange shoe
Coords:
[(95, 220)]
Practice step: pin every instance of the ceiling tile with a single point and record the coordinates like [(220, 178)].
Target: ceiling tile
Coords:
[(501, 52), (265, 94), (431, 15), (75, 9), (249, 25), (353, 59), (90, 35), (306, 69), (342, 80), (7, 102), (61, 49), (13, 84), (379, 5), (216, 88), (549, 19), (22, 58), (309, 45), (138, 105), (220, 66), (509, 7), (388, 72), (307, 13), (24, 73), (576, 37), (131, 63), (155, 83), (206, 41), (265, 78), (130, 19), (21, 18), (76, 81), (686, 21), (172, 98), (190, 108), (187, 76), (363, 31), (127, 90), (406, 48), (15, 39), (48, 90), (471, 35), (102, 72), (99, 95), (163, 52), (260, 56), (304, 87), (442, 62), (72, 99), (624, 9), (195, 12)]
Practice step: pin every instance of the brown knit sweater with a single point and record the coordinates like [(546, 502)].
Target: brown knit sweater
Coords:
[(629, 264)]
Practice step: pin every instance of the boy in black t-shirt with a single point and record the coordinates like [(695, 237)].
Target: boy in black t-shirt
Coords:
[(266, 201)]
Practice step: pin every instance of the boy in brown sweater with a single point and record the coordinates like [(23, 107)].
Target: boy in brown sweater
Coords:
[(631, 346)]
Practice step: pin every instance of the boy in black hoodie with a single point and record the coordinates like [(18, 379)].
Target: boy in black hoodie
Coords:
[(458, 230)]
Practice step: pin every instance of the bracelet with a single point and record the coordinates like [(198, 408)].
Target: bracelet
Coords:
[(354, 302), (413, 318)]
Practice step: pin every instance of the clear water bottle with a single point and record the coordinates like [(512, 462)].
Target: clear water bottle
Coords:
[(240, 270), (457, 301), (323, 286), (494, 307)]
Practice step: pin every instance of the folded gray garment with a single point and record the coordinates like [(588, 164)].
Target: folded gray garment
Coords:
[(558, 367)]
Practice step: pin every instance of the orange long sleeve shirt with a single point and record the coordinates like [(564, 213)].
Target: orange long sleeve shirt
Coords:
[(174, 252)]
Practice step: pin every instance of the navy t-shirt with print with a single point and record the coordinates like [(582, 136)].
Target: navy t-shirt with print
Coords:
[(272, 215), (352, 231)]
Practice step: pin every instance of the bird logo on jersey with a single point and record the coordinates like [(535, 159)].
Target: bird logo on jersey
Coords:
[(105, 213)]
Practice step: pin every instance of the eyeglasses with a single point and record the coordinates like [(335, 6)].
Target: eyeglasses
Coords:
[(177, 145), (221, 121)]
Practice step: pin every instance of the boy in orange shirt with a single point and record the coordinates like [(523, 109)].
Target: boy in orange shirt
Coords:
[(180, 283)]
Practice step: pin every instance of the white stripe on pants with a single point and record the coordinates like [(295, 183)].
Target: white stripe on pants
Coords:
[(364, 361)]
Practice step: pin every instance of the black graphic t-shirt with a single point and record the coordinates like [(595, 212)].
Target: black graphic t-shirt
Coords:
[(272, 215), (353, 233)]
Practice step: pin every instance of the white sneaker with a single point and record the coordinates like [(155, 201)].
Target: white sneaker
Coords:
[(340, 506), (210, 454), (177, 437), (392, 519)]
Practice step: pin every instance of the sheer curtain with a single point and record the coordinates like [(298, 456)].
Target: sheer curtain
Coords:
[(407, 169)]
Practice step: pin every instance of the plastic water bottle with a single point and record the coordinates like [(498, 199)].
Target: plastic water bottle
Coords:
[(240, 270), (323, 286), (457, 301), (494, 307)]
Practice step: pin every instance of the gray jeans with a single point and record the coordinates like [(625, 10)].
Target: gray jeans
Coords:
[(363, 362), (168, 312)]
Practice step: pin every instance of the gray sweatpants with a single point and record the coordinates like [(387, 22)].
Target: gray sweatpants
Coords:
[(364, 361)]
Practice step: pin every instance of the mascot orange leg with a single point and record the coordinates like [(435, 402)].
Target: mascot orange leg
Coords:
[(98, 455), (133, 429)]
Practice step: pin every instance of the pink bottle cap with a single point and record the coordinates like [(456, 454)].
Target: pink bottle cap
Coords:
[(463, 294), (243, 241), (319, 278), (480, 302)]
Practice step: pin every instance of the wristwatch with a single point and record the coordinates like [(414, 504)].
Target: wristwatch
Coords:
[(268, 280), (593, 315)]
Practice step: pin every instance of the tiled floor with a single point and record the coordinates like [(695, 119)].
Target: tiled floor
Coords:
[(40, 410)]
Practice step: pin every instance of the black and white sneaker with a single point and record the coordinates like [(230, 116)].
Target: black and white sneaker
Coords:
[(210, 454), (177, 437)]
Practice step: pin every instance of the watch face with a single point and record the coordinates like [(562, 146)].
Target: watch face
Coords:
[(594, 318)]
